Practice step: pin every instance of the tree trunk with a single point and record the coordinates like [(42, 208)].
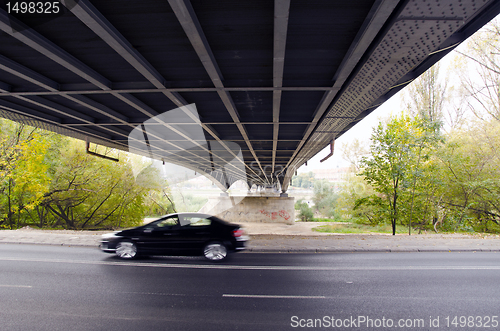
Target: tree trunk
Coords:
[(394, 214)]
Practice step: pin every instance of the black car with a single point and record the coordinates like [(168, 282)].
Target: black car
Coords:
[(178, 234)]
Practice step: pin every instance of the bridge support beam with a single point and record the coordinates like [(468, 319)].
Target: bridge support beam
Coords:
[(260, 209)]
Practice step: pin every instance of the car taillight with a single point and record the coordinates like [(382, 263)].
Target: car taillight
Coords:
[(238, 233)]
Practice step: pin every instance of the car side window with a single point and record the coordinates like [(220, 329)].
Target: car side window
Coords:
[(195, 221), (168, 222)]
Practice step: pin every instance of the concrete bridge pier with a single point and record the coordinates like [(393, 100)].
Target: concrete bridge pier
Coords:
[(251, 208)]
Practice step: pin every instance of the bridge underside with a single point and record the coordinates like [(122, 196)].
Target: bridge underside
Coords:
[(247, 89)]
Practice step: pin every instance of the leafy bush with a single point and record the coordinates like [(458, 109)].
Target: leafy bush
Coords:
[(306, 214)]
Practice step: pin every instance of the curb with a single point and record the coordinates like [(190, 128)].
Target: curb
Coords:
[(410, 250), (300, 250)]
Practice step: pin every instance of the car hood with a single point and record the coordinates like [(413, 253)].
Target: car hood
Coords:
[(128, 232)]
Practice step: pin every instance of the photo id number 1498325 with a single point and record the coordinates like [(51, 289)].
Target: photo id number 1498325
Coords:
[(472, 321), (33, 7)]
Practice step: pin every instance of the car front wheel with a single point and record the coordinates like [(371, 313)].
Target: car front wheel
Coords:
[(215, 251), (126, 250)]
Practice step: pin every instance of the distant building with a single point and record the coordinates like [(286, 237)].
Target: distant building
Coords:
[(334, 175)]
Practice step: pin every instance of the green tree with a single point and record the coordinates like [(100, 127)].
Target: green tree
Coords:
[(91, 192), (48, 180), (470, 170), (395, 164), (23, 173), (350, 204), (325, 199), (304, 180), (159, 202)]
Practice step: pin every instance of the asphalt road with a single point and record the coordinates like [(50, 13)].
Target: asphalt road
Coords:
[(78, 288)]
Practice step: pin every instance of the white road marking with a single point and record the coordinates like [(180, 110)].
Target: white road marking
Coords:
[(268, 296), (244, 267), (17, 286)]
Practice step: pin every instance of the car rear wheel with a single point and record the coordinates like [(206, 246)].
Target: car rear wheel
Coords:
[(126, 250), (215, 251)]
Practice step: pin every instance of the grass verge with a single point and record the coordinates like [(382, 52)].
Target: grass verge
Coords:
[(357, 228)]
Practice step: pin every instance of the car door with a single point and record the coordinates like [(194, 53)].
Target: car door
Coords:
[(194, 232), (161, 237)]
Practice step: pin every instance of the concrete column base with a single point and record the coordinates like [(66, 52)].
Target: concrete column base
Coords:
[(252, 209)]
